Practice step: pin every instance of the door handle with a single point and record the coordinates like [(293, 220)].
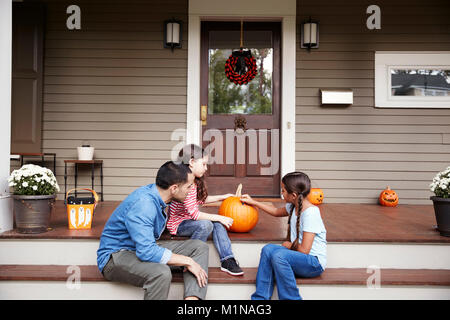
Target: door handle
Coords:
[(203, 114)]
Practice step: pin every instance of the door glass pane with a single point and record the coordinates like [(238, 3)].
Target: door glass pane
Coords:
[(420, 82), (226, 97)]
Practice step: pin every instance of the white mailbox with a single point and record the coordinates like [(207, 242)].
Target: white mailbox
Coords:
[(336, 96)]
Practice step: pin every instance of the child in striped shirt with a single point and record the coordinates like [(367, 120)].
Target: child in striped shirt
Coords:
[(185, 219)]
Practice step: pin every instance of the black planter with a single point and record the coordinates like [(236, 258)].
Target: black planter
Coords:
[(442, 212)]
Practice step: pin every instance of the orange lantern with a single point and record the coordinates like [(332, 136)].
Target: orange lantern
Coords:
[(315, 196), (245, 217), (80, 211), (388, 198)]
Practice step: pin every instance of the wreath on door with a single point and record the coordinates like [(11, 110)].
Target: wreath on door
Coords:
[(240, 68)]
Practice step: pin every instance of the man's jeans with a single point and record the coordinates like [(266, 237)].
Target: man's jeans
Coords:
[(155, 278), (201, 229), (281, 264)]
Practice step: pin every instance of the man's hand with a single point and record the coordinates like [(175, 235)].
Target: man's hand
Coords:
[(198, 272)]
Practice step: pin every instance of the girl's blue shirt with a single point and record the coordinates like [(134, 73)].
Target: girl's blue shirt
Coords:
[(311, 221)]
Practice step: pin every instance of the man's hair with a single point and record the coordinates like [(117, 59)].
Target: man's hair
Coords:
[(171, 173)]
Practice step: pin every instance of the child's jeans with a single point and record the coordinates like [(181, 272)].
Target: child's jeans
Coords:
[(201, 229), (281, 264)]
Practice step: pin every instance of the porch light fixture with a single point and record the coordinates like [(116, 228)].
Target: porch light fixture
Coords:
[(310, 34), (172, 33)]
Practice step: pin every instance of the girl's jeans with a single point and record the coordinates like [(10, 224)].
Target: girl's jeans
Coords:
[(201, 229), (281, 264)]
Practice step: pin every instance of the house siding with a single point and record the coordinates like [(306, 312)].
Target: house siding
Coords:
[(113, 84), (354, 152)]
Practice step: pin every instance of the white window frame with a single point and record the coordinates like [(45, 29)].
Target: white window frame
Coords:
[(385, 61)]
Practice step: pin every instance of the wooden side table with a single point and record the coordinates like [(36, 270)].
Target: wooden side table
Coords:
[(41, 155), (76, 163)]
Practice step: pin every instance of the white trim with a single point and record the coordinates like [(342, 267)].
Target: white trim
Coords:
[(107, 290), (6, 214), (267, 10), (385, 61), (339, 254), (288, 74), (193, 126)]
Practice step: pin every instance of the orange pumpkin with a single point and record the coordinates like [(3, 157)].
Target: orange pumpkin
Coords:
[(388, 197), (315, 196), (245, 217)]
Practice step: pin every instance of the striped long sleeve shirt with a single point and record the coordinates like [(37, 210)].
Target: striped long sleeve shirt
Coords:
[(183, 211)]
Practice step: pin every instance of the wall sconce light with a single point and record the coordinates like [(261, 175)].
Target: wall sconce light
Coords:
[(310, 34), (172, 33)]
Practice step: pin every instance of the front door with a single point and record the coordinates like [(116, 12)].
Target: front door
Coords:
[(241, 127)]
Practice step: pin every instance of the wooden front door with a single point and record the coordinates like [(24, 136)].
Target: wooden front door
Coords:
[(242, 127)]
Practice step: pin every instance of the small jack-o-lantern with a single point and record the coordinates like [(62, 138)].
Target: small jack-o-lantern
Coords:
[(315, 196), (388, 197)]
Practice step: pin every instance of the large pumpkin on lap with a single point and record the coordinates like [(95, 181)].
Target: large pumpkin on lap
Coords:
[(245, 217)]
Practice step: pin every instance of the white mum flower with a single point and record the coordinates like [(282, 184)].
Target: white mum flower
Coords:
[(25, 184), (35, 188)]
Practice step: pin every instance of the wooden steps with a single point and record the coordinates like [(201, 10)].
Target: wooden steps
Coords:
[(337, 276), (344, 223), (413, 259)]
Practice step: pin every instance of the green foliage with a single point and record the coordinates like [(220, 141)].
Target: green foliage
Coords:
[(441, 184), (225, 97), (31, 179)]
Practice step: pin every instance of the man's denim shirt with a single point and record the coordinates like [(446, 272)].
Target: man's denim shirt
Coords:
[(135, 225)]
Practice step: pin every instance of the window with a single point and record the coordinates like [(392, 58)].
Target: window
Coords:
[(412, 80)]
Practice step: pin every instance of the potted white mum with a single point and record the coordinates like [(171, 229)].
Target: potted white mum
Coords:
[(34, 196), (441, 201)]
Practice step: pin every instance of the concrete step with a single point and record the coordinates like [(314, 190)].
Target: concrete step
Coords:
[(57, 282), (339, 254)]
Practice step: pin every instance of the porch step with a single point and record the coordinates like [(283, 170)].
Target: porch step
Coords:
[(50, 282), (339, 254), (333, 276)]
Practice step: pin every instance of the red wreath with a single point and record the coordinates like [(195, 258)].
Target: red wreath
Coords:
[(240, 67)]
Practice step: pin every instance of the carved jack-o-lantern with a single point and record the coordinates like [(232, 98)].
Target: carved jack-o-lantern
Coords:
[(315, 196), (388, 198)]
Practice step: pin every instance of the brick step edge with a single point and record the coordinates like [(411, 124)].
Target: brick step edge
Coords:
[(331, 276)]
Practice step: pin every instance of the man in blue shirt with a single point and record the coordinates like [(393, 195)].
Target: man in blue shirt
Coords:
[(128, 249)]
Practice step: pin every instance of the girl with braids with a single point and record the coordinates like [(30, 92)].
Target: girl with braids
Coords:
[(185, 219), (304, 255)]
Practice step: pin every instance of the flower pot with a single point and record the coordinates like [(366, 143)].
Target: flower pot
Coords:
[(442, 212), (85, 153), (32, 213)]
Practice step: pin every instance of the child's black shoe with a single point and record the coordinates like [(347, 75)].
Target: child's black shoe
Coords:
[(231, 266)]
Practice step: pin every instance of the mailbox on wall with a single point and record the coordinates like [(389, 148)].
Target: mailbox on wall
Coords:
[(336, 96)]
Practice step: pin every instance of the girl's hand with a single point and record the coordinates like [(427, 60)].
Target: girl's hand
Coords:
[(226, 221), (245, 198), (287, 244)]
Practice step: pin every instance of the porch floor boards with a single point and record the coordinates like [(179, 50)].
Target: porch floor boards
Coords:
[(344, 223), (331, 276)]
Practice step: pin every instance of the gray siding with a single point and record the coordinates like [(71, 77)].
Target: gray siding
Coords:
[(354, 152), (112, 83)]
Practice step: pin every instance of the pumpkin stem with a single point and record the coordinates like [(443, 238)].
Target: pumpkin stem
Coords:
[(388, 188), (239, 190)]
